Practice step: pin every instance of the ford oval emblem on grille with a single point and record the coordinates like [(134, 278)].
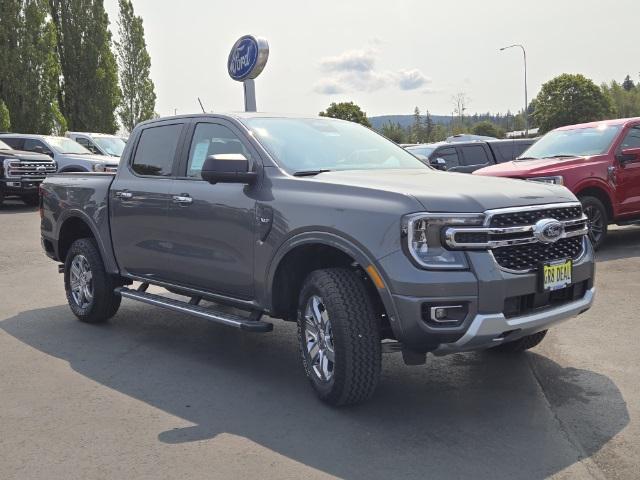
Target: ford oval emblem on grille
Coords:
[(41, 168), (548, 230)]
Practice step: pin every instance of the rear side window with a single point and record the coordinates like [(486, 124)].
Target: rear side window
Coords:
[(475, 155), (157, 150), (632, 139)]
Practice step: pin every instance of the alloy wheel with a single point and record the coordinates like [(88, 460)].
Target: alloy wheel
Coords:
[(81, 281), (319, 339), (595, 223)]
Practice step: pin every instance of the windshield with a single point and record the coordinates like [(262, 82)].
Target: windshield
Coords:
[(304, 145), (579, 142), (426, 151), (111, 145), (4, 146), (66, 145)]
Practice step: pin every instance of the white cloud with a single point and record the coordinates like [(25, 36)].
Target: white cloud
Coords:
[(354, 70), (350, 61), (412, 79)]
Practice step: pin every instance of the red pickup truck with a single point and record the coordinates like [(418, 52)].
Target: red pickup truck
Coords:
[(599, 162)]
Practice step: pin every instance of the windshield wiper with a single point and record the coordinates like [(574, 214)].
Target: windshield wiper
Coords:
[(564, 155), (310, 173), (527, 158)]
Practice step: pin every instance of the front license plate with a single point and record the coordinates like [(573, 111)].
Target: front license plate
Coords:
[(556, 275)]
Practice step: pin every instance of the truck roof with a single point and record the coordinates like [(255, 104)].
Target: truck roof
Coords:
[(236, 115), (616, 121)]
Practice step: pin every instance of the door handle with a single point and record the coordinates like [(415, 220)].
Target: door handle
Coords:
[(182, 199), (124, 195)]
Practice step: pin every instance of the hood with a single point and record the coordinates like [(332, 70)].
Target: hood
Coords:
[(94, 158), (29, 156), (530, 168), (452, 192)]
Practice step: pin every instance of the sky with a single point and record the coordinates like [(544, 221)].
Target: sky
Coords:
[(388, 57)]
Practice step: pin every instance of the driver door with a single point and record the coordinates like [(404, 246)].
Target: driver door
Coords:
[(628, 175)]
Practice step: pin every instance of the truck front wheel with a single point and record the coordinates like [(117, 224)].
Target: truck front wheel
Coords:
[(88, 286), (339, 336), (598, 220)]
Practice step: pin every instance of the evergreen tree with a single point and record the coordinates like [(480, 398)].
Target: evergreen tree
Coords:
[(428, 125), (138, 93), (89, 92), (628, 84), (29, 77)]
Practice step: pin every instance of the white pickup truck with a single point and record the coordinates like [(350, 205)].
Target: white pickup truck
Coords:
[(99, 143)]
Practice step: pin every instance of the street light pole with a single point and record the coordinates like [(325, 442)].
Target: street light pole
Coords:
[(526, 99)]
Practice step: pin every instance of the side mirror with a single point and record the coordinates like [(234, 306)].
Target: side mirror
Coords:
[(227, 168), (439, 163), (629, 155)]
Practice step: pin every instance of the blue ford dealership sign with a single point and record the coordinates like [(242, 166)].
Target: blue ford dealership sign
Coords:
[(247, 58)]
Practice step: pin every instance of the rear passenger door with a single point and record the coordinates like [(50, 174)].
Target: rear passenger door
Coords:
[(139, 202), (212, 226), (473, 158)]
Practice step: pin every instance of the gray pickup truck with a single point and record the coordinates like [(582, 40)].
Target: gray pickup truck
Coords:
[(324, 223)]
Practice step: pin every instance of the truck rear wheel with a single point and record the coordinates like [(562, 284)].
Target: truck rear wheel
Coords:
[(339, 336), (525, 343), (88, 286), (598, 220)]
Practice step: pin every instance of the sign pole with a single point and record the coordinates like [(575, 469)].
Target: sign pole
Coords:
[(249, 96)]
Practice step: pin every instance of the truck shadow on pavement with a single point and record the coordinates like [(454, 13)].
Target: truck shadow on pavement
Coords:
[(621, 242), (478, 415), (15, 206)]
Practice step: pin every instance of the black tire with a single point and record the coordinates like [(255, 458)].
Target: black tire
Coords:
[(519, 346), (596, 212), (31, 200), (354, 336), (104, 303)]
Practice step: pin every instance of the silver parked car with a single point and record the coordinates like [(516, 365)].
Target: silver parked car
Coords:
[(99, 143), (70, 156)]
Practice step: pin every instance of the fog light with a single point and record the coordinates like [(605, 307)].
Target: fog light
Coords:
[(440, 313), (444, 315)]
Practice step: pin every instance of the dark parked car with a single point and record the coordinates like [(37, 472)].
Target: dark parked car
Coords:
[(22, 172), (467, 157), (325, 223)]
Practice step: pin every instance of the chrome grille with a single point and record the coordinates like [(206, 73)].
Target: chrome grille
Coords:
[(529, 217), (515, 241), (529, 257), (29, 169)]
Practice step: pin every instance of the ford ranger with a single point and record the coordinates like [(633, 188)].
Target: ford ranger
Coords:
[(599, 162), (325, 223)]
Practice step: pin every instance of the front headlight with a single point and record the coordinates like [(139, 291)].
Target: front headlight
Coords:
[(558, 180), (424, 238)]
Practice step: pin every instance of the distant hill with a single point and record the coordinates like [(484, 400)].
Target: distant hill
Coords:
[(406, 120)]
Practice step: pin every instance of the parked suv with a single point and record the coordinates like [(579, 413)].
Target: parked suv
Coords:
[(99, 143), (468, 156), (325, 223), (70, 156), (599, 162), (22, 172)]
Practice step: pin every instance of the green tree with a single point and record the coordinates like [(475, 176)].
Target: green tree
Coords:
[(428, 127), (89, 91), (628, 84), (626, 103), (569, 99), (138, 93), (394, 131), (5, 118), (30, 72), (347, 111), (487, 129)]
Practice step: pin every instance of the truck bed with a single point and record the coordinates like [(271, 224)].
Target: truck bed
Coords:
[(66, 196)]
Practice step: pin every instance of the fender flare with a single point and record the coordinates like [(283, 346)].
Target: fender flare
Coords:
[(107, 258), (347, 246), (601, 185)]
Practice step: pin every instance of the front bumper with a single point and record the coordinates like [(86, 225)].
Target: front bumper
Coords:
[(490, 330), (20, 186), (488, 292)]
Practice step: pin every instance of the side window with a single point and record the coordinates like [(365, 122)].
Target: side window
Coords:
[(212, 139), (33, 145), (88, 145), (156, 150), (632, 139), (15, 143), (450, 156), (475, 155)]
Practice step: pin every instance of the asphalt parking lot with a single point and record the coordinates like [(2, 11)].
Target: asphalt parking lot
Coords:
[(156, 395)]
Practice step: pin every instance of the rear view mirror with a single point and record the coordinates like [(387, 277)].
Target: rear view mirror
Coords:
[(227, 168), (439, 163), (629, 155)]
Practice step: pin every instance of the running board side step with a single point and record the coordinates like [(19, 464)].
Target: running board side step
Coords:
[(223, 318)]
